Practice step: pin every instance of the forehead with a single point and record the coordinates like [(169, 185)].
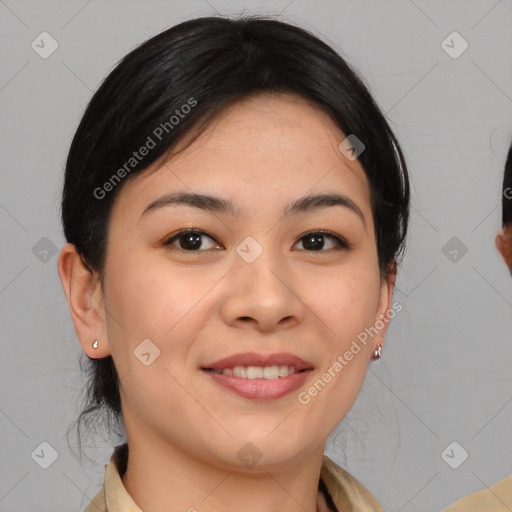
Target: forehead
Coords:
[(266, 145)]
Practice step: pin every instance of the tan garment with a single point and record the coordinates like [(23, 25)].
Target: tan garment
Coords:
[(497, 498), (346, 493)]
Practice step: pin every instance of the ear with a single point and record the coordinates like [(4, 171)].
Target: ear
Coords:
[(383, 317), (503, 243), (86, 301)]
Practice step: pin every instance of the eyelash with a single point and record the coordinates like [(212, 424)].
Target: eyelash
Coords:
[(341, 242)]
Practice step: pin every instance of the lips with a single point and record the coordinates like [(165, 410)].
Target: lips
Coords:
[(255, 359), (233, 375)]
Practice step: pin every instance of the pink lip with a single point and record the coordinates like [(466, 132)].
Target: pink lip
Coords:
[(260, 389), (254, 359)]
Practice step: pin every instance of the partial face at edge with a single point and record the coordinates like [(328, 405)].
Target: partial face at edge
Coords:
[(504, 245), (307, 294)]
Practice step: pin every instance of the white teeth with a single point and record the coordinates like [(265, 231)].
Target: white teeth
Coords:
[(240, 371), (283, 371), (271, 372), (254, 372), (258, 372)]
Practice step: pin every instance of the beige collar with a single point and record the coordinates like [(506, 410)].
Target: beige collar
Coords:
[(347, 494)]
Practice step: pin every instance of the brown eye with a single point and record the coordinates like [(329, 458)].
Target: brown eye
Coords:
[(315, 241), (189, 240)]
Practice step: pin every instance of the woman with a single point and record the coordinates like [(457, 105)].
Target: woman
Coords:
[(235, 205)]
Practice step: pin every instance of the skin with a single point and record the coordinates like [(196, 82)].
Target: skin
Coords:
[(183, 429), (503, 242)]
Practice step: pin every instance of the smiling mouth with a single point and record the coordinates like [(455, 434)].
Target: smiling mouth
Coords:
[(272, 372)]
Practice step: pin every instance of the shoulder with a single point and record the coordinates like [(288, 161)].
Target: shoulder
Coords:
[(97, 504), (497, 498), (345, 490)]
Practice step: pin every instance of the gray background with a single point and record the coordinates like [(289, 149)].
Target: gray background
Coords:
[(445, 372)]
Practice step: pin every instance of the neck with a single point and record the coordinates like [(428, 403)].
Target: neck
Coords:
[(161, 477)]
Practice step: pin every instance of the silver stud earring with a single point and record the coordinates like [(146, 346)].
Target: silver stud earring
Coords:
[(377, 353), (95, 344)]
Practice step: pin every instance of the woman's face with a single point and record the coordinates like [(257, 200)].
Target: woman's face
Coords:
[(258, 282)]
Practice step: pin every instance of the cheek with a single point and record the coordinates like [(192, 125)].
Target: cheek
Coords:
[(346, 302), (347, 306), (148, 302), (148, 299)]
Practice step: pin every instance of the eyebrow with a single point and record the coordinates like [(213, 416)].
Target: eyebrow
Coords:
[(215, 204)]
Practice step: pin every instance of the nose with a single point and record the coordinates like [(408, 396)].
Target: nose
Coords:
[(260, 295)]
